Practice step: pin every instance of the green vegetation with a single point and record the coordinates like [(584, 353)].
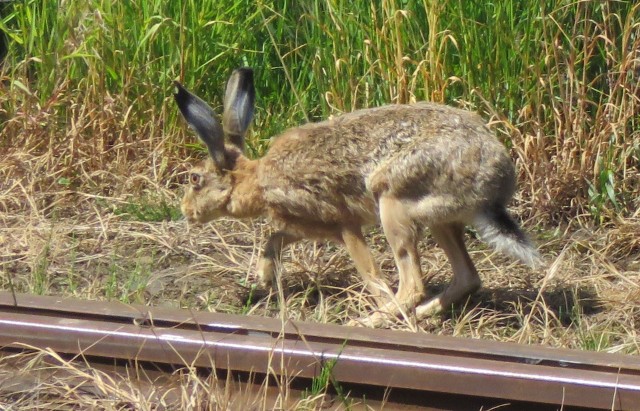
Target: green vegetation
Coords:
[(324, 381), (39, 281), (148, 209), (90, 82)]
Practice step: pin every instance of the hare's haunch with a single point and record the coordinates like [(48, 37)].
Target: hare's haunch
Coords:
[(402, 166)]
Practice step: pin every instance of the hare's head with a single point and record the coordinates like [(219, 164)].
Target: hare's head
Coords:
[(210, 184)]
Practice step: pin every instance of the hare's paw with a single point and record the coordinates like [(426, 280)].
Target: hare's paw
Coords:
[(266, 273), (374, 320)]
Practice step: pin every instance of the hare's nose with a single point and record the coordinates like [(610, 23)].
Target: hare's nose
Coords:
[(189, 214), (192, 217)]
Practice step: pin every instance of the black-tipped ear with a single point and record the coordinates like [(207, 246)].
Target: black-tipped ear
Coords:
[(239, 100), (202, 120)]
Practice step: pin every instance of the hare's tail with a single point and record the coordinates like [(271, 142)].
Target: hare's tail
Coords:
[(496, 227)]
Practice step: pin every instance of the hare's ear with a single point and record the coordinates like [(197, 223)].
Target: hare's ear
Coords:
[(239, 101), (202, 119)]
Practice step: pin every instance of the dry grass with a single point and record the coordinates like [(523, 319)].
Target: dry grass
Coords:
[(75, 243), (45, 380)]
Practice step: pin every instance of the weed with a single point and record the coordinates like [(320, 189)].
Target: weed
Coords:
[(246, 308), (324, 380), (39, 273), (39, 279), (71, 281), (111, 284), (603, 195), (136, 281), (148, 210)]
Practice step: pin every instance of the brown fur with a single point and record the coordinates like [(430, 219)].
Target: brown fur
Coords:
[(401, 166)]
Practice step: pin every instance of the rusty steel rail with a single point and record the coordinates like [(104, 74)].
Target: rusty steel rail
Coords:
[(381, 358)]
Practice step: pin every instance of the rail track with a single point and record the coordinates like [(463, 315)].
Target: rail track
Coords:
[(406, 370)]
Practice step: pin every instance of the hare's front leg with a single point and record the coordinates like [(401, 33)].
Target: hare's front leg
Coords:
[(366, 265), (271, 256)]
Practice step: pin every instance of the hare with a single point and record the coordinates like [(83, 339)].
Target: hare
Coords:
[(402, 166)]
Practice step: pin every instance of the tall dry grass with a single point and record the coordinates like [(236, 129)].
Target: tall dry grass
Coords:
[(86, 85)]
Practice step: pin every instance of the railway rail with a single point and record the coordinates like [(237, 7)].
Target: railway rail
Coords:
[(411, 369)]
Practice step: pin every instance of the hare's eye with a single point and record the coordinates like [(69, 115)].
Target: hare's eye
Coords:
[(194, 179)]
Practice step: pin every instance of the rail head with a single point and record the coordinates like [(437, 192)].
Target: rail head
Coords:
[(363, 356)]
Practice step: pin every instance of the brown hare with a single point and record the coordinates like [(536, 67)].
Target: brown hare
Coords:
[(402, 166)]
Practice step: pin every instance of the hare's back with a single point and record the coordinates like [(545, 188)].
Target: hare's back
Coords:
[(358, 143), (446, 154), (373, 134), (338, 166)]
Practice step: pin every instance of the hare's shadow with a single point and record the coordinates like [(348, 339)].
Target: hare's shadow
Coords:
[(304, 282), (566, 304)]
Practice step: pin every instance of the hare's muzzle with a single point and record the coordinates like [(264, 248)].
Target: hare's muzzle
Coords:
[(190, 214)]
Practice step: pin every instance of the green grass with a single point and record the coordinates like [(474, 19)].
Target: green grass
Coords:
[(91, 81), (39, 281), (148, 209), (126, 280), (325, 380)]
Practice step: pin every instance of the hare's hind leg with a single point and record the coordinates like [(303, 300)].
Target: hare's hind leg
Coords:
[(465, 277)]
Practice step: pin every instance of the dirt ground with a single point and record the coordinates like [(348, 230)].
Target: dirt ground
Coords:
[(587, 296)]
